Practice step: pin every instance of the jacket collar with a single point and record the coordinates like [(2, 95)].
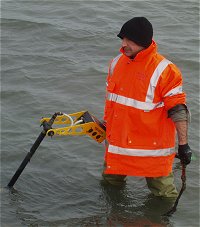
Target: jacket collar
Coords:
[(151, 50)]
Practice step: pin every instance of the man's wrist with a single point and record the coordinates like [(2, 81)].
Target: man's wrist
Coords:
[(182, 143), (181, 128)]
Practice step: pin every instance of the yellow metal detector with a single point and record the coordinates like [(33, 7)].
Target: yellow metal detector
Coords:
[(80, 123), (77, 124)]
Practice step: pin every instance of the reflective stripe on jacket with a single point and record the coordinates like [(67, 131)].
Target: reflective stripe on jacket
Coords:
[(139, 93)]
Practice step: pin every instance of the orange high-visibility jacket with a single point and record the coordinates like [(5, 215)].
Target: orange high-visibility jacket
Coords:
[(140, 135)]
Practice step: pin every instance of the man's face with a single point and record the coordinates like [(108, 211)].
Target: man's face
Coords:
[(130, 48)]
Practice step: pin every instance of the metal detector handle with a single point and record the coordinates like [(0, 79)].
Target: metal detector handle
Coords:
[(46, 127)]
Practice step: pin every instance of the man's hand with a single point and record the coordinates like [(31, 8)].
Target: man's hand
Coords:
[(103, 122), (185, 154)]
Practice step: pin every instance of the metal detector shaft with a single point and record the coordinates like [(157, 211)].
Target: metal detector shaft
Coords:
[(183, 178), (46, 127)]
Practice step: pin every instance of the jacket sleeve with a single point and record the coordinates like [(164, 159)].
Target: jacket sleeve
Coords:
[(170, 87), (106, 108)]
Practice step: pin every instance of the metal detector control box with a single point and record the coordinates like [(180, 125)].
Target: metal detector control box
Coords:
[(76, 124)]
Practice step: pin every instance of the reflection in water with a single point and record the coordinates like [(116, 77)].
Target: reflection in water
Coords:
[(124, 210), (118, 207)]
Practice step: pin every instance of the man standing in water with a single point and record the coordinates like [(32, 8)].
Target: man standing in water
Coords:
[(145, 106)]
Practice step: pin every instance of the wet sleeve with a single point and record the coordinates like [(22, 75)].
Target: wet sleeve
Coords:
[(179, 112)]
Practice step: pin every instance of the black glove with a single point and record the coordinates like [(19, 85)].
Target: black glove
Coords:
[(185, 154)]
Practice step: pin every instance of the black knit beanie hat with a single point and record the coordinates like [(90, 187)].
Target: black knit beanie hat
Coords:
[(139, 30)]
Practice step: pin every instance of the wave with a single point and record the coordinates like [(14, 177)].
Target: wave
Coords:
[(22, 23)]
